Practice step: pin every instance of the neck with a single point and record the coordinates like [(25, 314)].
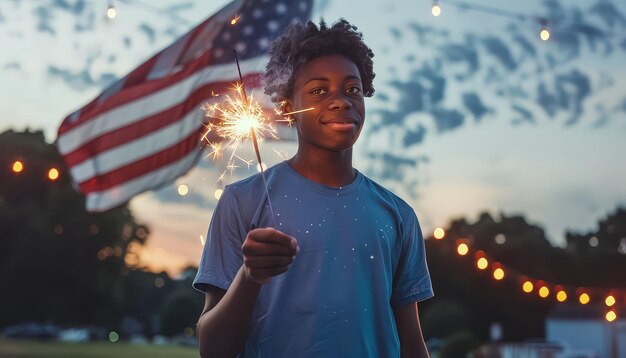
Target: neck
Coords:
[(328, 168)]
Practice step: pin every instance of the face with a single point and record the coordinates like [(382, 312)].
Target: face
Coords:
[(332, 85)]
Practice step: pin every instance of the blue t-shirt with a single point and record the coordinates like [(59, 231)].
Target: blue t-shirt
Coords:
[(361, 254)]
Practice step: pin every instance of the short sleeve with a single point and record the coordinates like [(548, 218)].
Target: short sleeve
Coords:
[(411, 281), (222, 256)]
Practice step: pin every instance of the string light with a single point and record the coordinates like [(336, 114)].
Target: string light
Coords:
[(183, 190), (544, 33), (53, 174), (111, 11), (498, 273), (462, 249), (527, 286), (18, 167), (584, 298), (436, 9), (611, 316), (610, 300), (561, 295)]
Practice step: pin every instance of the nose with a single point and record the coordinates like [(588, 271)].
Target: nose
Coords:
[(339, 102)]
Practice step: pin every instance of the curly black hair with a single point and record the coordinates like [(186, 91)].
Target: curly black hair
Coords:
[(301, 43)]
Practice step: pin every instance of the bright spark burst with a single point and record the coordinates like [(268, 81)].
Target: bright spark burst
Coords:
[(235, 120), (279, 111)]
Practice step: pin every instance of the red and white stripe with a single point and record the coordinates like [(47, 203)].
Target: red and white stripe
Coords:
[(144, 131)]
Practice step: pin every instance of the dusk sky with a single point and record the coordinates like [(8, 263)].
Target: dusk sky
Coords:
[(472, 111)]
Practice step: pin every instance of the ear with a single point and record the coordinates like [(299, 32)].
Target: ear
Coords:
[(287, 105)]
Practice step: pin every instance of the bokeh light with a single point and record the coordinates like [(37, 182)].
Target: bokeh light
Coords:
[(527, 286), (544, 34), (18, 166), (482, 263), (544, 292), (611, 316), (561, 296), (584, 298), (436, 9), (159, 282), (498, 273), (218, 193), (111, 12), (114, 337), (53, 174), (189, 332), (183, 190), (462, 249), (610, 300), (439, 233)]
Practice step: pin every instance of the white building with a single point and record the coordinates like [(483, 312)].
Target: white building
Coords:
[(585, 328)]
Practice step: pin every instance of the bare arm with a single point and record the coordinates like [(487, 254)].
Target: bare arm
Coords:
[(224, 324), (410, 332)]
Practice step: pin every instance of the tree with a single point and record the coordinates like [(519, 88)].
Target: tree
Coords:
[(58, 262), (525, 251)]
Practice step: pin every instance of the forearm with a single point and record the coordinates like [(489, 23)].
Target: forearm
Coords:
[(223, 331)]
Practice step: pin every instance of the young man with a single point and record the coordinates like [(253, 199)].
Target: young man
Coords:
[(342, 271)]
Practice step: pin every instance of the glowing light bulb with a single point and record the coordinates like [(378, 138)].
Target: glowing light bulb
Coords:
[(498, 274), (527, 287), (53, 174), (183, 190), (611, 316), (482, 263), (18, 166), (111, 12), (462, 249), (584, 298), (610, 300), (436, 9)]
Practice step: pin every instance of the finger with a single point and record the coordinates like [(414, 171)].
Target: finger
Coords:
[(267, 261), (271, 235), (254, 248)]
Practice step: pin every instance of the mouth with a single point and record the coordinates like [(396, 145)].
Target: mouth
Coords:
[(341, 124)]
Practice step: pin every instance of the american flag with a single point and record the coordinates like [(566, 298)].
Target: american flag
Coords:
[(144, 131)]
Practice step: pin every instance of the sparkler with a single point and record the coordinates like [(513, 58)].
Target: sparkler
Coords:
[(236, 120)]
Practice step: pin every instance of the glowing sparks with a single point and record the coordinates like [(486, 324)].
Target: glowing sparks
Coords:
[(279, 111), (282, 155), (299, 111), (236, 120), (235, 20)]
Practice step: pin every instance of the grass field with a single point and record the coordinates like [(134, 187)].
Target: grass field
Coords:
[(24, 348)]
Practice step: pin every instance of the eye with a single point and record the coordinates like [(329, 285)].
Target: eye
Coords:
[(353, 89), (318, 91)]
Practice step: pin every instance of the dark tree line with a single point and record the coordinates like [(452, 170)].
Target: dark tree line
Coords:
[(467, 301)]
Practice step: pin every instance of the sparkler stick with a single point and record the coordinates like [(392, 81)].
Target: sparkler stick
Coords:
[(255, 142)]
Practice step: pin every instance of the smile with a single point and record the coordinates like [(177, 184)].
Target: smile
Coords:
[(341, 126)]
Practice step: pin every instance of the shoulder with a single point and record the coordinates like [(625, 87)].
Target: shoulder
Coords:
[(400, 205)]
